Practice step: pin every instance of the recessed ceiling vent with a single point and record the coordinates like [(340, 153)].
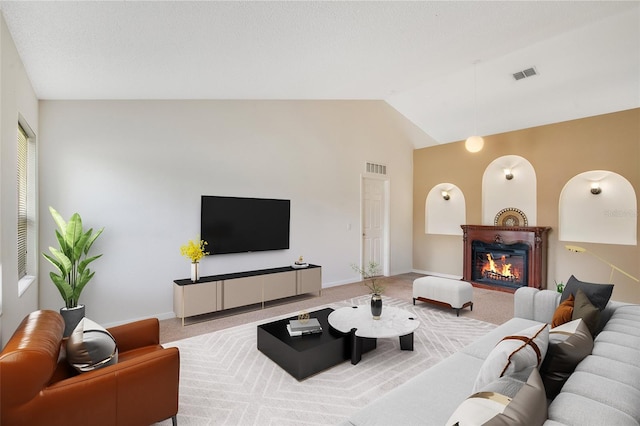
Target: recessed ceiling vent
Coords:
[(379, 169), (529, 72)]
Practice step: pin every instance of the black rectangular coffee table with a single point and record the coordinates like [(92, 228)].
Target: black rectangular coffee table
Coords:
[(303, 356)]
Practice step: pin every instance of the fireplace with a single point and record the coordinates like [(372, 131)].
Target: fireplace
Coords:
[(505, 258), (500, 264)]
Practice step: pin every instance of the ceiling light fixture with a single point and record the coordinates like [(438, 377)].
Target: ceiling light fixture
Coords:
[(474, 143)]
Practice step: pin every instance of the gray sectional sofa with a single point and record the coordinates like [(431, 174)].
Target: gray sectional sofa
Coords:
[(604, 389)]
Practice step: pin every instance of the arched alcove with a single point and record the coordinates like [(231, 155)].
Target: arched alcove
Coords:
[(608, 217), (500, 191), (444, 216)]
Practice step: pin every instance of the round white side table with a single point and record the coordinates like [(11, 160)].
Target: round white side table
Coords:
[(358, 321)]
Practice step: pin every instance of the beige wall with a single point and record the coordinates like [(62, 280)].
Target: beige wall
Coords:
[(558, 152)]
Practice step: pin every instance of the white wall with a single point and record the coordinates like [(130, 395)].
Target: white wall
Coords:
[(17, 98), (138, 168)]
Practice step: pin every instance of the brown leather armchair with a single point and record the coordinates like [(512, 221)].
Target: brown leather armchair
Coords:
[(39, 387)]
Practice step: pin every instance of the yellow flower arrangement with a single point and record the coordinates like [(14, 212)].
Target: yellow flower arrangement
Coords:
[(194, 251)]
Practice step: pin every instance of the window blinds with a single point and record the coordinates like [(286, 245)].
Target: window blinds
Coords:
[(22, 201)]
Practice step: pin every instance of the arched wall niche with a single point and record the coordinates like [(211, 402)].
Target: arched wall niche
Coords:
[(444, 216), (499, 193), (609, 217)]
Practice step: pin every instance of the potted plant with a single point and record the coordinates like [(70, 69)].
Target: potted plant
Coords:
[(71, 261), (370, 275)]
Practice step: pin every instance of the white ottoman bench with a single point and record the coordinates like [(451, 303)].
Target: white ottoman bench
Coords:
[(444, 292)]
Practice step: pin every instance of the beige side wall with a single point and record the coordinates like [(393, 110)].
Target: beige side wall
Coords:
[(558, 152)]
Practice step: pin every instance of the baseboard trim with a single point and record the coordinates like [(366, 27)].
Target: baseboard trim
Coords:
[(341, 282), (163, 316)]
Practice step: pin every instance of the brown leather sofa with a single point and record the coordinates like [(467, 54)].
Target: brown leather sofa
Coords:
[(39, 387)]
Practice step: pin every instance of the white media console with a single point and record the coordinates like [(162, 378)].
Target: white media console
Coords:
[(219, 292)]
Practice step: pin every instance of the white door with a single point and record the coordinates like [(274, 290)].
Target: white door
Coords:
[(373, 220)]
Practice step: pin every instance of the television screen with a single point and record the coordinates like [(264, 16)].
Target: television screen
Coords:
[(240, 225)]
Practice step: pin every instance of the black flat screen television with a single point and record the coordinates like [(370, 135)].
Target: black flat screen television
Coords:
[(240, 225)]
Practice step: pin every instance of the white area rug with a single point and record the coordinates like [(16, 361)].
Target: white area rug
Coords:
[(225, 380)]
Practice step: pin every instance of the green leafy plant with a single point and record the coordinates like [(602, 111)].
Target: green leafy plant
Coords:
[(559, 286), (371, 273), (71, 259)]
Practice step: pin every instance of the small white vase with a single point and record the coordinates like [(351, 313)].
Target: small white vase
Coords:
[(195, 273)]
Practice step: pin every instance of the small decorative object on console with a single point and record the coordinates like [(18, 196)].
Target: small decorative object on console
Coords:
[(300, 263)]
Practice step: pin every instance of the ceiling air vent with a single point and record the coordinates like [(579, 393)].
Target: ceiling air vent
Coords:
[(379, 169), (529, 72)]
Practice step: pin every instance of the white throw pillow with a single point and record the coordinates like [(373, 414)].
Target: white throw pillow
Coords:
[(91, 346), (513, 354), (566, 329), (512, 402), (478, 409)]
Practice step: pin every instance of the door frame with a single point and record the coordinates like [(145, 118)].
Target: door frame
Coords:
[(386, 222)]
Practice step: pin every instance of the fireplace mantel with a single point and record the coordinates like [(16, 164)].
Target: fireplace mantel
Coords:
[(534, 236)]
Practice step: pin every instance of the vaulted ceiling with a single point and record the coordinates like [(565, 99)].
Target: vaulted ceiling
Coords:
[(447, 66)]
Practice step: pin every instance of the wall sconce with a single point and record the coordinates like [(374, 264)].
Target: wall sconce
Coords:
[(507, 174), (595, 188), (445, 195)]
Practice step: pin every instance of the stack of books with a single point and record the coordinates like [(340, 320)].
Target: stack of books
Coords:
[(300, 328)]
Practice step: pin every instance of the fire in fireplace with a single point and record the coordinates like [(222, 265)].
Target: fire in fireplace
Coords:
[(500, 264)]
